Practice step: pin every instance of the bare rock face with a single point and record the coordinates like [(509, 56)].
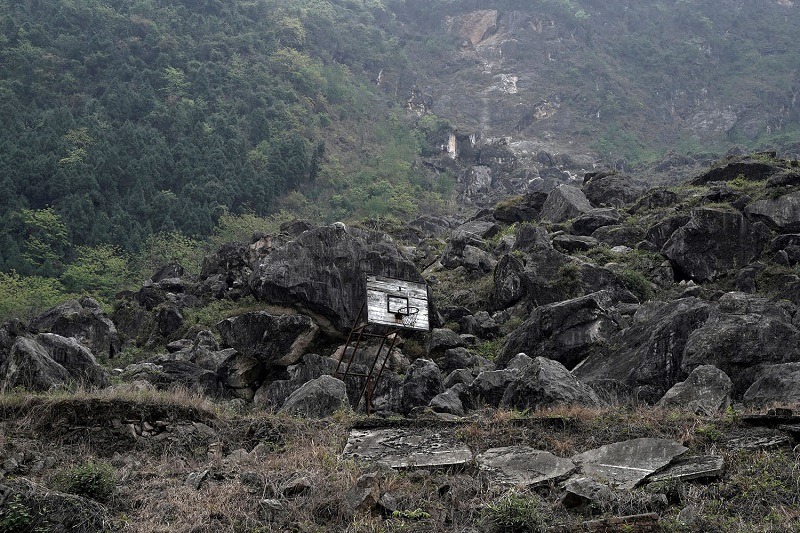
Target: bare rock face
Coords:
[(625, 464), (743, 331), (423, 382), (781, 214), (563, 203), (566, 331), (83, 320), (589, 222), (28, 365), (509, 282), (706, 391), (545, 383), (611, 190), (517, 466), (272, 339), (713, 243), (775, 384), (317, 398), (646, 357), (323, 271), (475, 26)]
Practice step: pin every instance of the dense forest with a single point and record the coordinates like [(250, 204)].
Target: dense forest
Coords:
[(124, 120)]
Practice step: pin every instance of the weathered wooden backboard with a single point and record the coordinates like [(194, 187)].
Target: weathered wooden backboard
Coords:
[(400, 303)]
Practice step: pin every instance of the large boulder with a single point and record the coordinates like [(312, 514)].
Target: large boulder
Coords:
[(563, 203), (520, 208), (29, 366), (85, 321), (274, 393), (509, 282), (488, 388), (713, 243), (589, 222), (75, 357), (545, 383), (781, 214), (423, 382), (567, 331), (706, 391), (612, 190), (317, 398), (741, 332), (272, 339), (775, 384), (323, 271), (646, 357)]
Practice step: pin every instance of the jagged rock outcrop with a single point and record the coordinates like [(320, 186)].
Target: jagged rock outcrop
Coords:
[(83, 320), (713, 243), (706, 391), (743, 331), (546, 383), (781, 214), (645, 358), (563, 203), (423, 382), (566, 331), (272, 339), (317, 398), (323, 270)]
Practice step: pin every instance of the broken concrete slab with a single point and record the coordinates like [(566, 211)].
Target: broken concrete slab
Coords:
[(407, 448), (689, 468), (523, 466), (625, 464), (585, 493), (756, 439)]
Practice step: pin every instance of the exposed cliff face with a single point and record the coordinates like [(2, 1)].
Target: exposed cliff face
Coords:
[(608, 83)]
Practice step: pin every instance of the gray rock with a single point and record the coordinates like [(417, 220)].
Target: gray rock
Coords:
[(75, 357), (441, 339), (586, 493), (563, 203), (84, 321), (603, 189), (272, 339), (689, 468), (422, 383), (741, 332), (646, 357), (567, 331), (317, 398), (323, 271), (275, 393), (488, 388), (546, 383), (241, 371), (781, 214), (29, 366), (713, 243), (778, 383), (520, 362), (165, 374), (706, 391), (574, 243), (589, 222), (522, 466), (523, 208), (407, 448), (619, 235), (625, 464), (508, 282), (660, 232), (449, 401)]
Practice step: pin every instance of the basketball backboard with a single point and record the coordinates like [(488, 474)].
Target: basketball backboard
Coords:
[(399, 303)]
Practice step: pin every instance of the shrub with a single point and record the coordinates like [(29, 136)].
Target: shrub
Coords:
[(15, 516), (516, 513), (91, 480)]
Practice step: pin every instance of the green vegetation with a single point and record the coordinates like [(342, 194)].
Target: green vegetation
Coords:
[(94, 480), (15, 517), (129, 123), (517, 513)]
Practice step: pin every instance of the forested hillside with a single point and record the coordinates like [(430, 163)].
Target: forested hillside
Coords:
[(140, 131), (124, 119)]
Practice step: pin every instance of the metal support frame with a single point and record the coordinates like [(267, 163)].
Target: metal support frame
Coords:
[(358, 332)]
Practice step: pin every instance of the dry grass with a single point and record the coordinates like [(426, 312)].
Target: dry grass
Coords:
[(251, 457)]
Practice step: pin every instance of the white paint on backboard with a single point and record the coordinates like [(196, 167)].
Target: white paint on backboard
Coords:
[(393, 302)]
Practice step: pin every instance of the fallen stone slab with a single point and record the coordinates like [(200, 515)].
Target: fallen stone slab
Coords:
[(523, 466), (407, 448), (639, 523), (689, 468), (586, 493), (625, 464), (757, 439)]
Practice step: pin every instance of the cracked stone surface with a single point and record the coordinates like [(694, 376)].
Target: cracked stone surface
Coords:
[(688, 468), (407, 448), (625, 464), (523, 466)]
